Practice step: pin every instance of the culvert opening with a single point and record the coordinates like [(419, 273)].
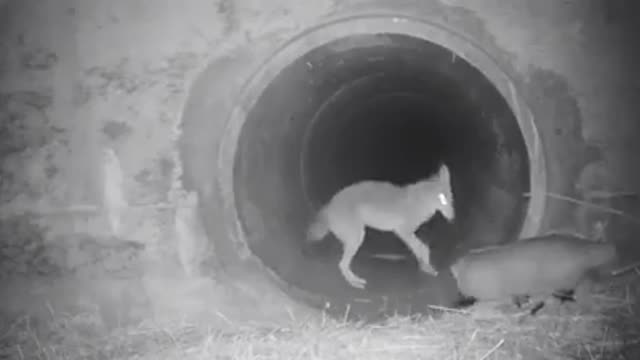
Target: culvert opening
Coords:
[(387, 107)]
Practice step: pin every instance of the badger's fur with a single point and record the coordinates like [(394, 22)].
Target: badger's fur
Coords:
[(549, 265)]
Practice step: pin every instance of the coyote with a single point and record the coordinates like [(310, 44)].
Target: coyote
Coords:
[(387, 207)]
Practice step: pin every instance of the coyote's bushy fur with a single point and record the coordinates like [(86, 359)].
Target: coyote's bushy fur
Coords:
[(387, 207)]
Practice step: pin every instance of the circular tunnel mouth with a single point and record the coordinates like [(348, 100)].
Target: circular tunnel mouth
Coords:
[(379, 106)]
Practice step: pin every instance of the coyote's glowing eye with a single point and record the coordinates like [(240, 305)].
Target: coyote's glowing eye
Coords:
[(443, 199)]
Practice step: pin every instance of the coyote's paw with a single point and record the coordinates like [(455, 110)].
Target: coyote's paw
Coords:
[(355, 281), (427, 268)]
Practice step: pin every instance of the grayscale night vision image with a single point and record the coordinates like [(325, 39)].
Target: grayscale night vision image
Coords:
[(358, 179)]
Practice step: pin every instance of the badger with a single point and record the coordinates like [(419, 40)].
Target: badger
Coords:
[(548, 265)]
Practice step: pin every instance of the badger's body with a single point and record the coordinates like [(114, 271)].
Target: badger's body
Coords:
[(547, 265)]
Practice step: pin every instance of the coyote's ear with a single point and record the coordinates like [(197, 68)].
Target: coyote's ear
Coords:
[(444, 172)]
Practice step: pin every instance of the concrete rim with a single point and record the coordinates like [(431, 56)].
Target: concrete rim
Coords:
[(371, 24)]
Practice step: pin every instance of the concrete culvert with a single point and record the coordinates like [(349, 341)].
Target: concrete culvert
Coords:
[(326, 113)]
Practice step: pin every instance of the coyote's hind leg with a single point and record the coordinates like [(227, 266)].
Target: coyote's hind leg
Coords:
[(351, 241)]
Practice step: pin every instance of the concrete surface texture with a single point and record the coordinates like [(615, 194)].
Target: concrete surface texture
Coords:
[(77, 77)]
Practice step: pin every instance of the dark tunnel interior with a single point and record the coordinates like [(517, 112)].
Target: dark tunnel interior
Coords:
[(384, 107)]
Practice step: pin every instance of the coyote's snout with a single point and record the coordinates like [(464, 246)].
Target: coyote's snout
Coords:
[(386, 207)]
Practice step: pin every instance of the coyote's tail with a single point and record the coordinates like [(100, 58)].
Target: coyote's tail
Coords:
[(319, 227)]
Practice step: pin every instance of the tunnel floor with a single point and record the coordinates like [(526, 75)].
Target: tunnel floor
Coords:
[(387, 279)]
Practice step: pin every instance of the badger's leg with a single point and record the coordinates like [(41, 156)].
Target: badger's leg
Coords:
[(464, 301), (537, 307), (565, 295), (520, 300)]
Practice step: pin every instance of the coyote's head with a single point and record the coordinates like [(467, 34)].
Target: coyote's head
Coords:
[(436, 193)]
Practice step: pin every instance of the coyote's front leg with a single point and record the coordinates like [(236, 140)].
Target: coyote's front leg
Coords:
[(419, 249)]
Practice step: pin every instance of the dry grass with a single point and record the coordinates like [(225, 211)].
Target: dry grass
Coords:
[(604, 326)]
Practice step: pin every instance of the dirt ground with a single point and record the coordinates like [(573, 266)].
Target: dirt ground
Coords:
[(602, 325)]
